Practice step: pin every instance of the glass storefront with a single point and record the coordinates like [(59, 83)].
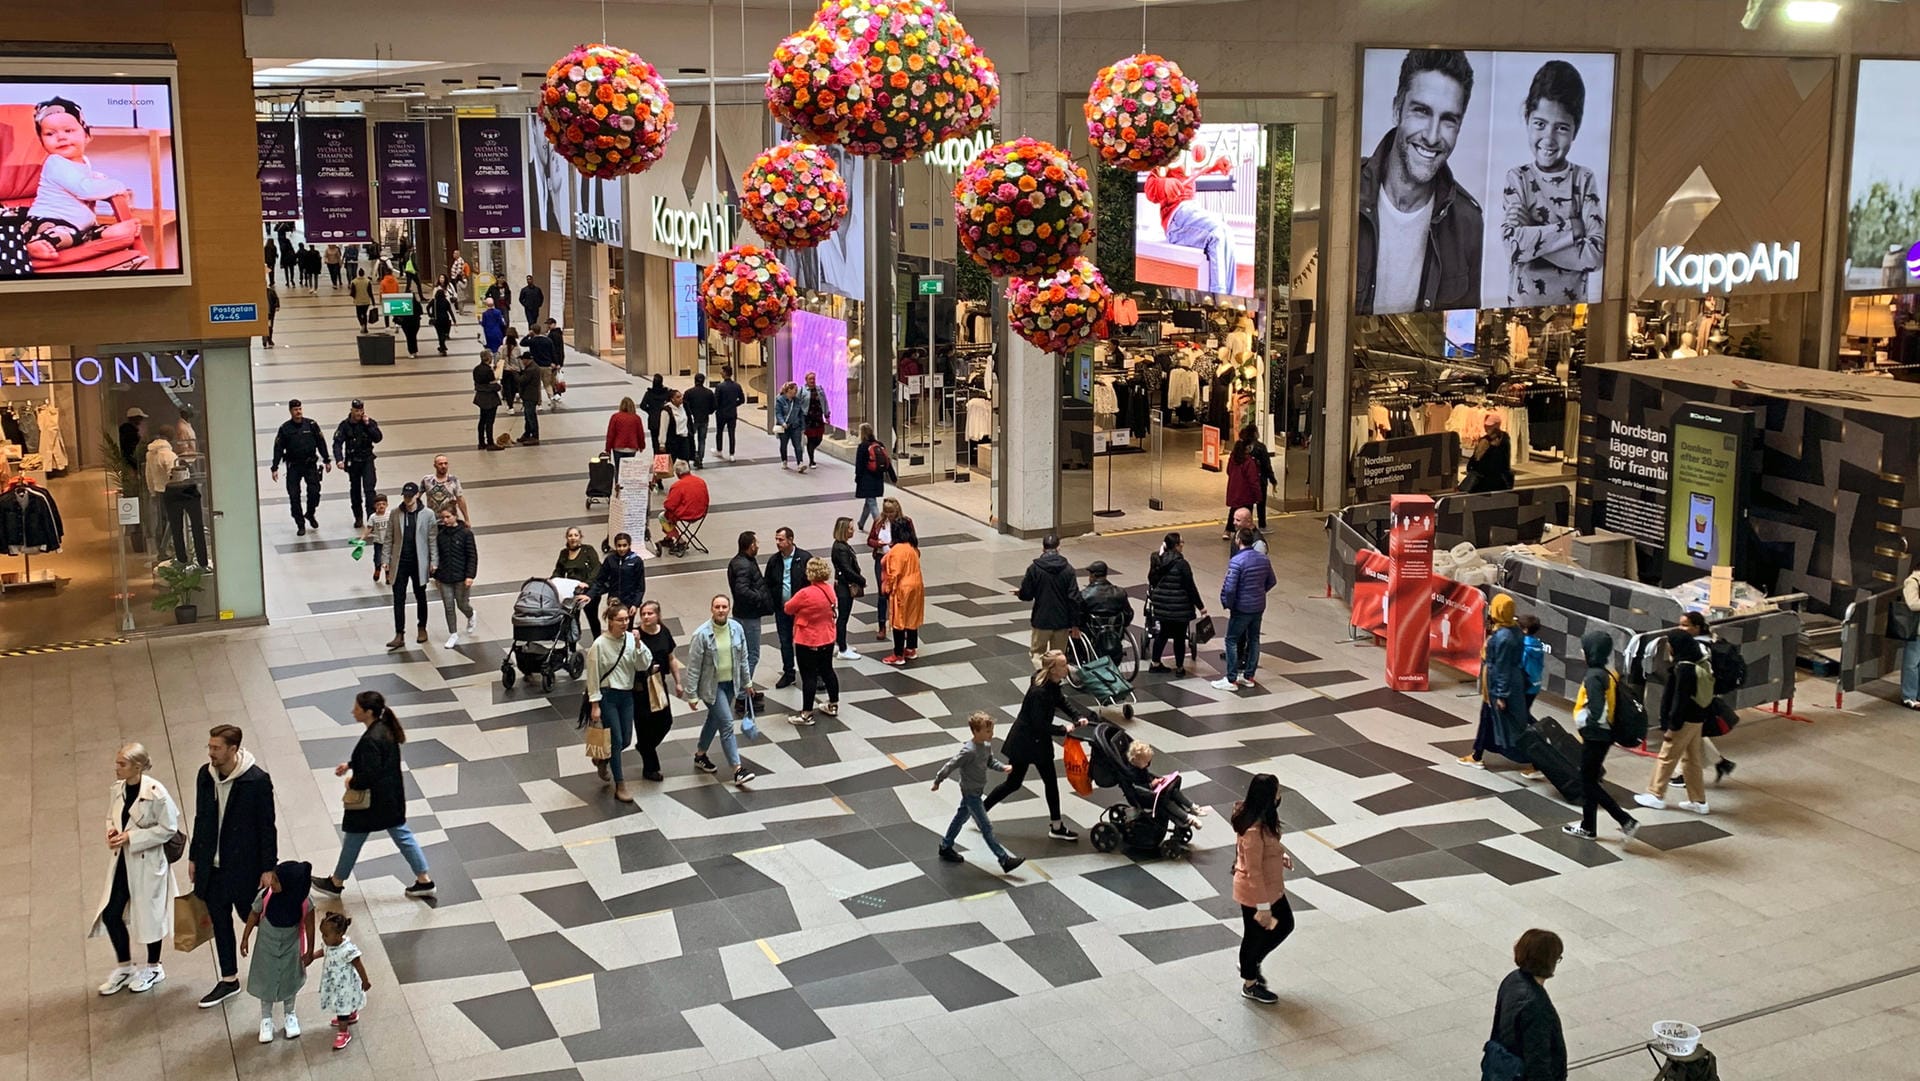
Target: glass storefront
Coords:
[(111, 480)]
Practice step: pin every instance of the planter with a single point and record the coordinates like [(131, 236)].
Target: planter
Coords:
[(187, 613)]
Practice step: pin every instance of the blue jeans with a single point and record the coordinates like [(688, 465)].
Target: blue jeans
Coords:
[(751, 627), (402, 836), (1910, 670), (869, 509), (1243, 644), (616, 713), (971, 804), (783, 626), (792, 436), (720, 723)]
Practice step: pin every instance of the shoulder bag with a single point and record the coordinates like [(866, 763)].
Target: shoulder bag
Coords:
[(599, 738), (175, 846)]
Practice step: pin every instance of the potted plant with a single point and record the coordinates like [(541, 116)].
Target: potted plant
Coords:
[(178, 583), (124, 477)]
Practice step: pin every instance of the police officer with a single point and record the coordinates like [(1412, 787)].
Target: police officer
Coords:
[(303, 446), (353, 444)]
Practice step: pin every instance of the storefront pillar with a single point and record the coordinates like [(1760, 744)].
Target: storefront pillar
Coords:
[(1030, 413)]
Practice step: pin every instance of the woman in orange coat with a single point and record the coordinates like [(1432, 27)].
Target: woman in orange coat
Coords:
[(906, 593)]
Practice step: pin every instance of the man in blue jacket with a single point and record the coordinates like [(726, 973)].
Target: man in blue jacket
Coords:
[(1249, 579)]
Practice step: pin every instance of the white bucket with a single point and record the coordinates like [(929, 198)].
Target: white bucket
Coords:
[(1676, 1038)]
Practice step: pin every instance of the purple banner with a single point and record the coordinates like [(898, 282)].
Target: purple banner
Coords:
[(337, 200), (400, 148), (493, 198), (279, 171)]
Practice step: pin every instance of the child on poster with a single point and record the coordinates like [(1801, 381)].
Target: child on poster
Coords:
[(62, 214), (1555, 223)]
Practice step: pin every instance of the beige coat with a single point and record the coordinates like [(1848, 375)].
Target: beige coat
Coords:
[(151, 820)]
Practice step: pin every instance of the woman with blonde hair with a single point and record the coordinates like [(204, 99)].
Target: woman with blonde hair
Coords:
[(848, 583), (812, 608), (138, 903)]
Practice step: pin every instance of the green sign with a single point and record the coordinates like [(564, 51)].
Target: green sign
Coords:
[(932, 285), (398, 304)]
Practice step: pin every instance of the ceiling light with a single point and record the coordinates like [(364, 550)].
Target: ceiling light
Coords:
[(1812, 11)]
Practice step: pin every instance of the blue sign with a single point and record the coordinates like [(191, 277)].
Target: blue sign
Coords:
[(233, 313), (686, 299)]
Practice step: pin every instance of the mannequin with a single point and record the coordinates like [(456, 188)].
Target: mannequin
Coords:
[(1686, 348)]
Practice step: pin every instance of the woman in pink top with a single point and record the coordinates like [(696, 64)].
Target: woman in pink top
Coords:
[(814, 609), (1260, 864)]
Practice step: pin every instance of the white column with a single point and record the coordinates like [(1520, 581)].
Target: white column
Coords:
[(1027, 458)]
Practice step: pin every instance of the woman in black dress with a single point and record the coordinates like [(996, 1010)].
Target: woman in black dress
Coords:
[(653, 699), (848, 583)]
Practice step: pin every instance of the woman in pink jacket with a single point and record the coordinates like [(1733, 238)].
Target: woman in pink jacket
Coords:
[(814, 608), (1260, 864)]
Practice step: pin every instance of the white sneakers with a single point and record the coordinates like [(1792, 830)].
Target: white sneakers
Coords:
[(470, 620), (452, 640), (1645, 800), (1224, 685), (121, 976), (849, 654), (266, 1030), (292, 1028), (1697, 808), (145, 977)]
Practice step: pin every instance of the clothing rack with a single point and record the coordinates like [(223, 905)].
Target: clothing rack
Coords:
[(27, 580)]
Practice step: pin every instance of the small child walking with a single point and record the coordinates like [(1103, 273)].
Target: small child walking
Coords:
[(972, 762), (285, 919), (343, 977), (376, 531)]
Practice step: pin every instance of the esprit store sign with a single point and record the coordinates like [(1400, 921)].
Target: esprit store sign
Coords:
[(122, 368), (1711, 272), (705, 228), (598, 227)]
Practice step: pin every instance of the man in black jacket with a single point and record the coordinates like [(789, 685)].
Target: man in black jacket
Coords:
[(727, 400), (353, 444), (623, 575), (456, 561), (554, 388), (1054, 589), (302, 445), (531, 298), (786, 575), (750, 602), (539, 349), (234, 848), (700, 403), (1108, 608)]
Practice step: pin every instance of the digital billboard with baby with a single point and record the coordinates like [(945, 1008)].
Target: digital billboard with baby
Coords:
[(88, 183)]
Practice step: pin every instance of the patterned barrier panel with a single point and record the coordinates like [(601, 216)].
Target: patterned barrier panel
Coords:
[(1769, 643), (1519, 516), (1867, 651), (1618, 601), (1344, 543), (1560, 631)]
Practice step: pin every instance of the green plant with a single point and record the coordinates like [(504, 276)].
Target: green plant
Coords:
[(124, 475), (1753, 344), (1114, 223), (178, 583), (1885, 218)]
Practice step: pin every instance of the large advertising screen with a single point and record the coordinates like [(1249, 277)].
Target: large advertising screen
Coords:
[(1194, 219), (1883, 193), (1483, 179), (819, 346), (89, 185), (687, 318)]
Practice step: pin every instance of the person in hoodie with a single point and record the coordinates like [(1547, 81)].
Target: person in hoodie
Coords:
[(1681, 718), (652, 403), (233, 847), (1243, 594), (1052, 586), (1503, 685), (1593, 714)]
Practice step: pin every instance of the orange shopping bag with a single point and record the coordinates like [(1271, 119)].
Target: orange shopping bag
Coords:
[(1075, 754)]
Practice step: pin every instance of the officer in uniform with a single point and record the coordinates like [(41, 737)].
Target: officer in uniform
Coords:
[(353, 444), (303, 447)]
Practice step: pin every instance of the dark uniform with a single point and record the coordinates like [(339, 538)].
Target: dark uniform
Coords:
[(302, 446), (353, 448)]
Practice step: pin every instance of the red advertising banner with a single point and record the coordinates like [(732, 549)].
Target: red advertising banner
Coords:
[(1457, 626), (1409, 600), (1210, 447)]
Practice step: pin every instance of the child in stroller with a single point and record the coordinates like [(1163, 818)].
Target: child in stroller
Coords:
[(1157, 816)]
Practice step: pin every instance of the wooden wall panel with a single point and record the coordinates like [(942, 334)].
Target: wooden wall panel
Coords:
[(221, 197), (1760, 128)]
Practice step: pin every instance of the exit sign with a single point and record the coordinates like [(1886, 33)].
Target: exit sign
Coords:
[(932, 285)]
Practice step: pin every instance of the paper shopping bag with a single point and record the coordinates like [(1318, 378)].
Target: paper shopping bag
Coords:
[(192, 923)]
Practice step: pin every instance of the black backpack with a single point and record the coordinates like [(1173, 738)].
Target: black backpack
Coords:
[(1729, 668), (1629, 715)]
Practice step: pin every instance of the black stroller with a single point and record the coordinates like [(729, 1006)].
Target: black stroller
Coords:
[(1145, 823), (546, 635)]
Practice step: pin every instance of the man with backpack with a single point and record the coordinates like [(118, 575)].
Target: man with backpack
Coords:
[(1729, 675), (1685, 702), (872, 468), (1599, 714)]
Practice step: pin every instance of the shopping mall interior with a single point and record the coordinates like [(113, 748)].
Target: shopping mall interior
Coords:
[(1555, 354)]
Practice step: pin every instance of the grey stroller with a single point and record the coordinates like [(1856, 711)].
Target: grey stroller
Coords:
[(546, 635)]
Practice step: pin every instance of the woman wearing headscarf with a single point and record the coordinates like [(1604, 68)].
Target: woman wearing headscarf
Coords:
[(1681, 720), (1503, 691), (138, 905), (906, 592)]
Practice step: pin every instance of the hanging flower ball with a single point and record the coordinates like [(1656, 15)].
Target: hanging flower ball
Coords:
[(747, 294), (606, 111), (1141, 112), (816, 87), (793, 196), (915, 55), (976, 104), (1060, 310), (1023, 209)]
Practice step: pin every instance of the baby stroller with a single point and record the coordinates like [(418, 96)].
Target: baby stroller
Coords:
[(1095, 673), (1145, 822), (546, 635)]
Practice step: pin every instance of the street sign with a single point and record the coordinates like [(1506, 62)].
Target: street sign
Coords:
[(932, 285), (232, 313)]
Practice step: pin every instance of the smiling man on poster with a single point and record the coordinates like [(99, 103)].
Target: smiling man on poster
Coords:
[(1419, 245)]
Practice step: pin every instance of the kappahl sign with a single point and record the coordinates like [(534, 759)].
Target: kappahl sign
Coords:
[(1722, 272), (705, 228)]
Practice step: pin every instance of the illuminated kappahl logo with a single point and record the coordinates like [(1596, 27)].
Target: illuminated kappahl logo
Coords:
[(1723, 271), (706, 228), (959, 153)]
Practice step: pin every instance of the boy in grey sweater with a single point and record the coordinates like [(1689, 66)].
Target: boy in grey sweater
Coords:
[(972, 762)]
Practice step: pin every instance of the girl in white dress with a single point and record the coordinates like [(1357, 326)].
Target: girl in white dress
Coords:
[(343, 978)]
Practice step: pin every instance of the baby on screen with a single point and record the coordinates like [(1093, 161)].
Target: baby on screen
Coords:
[(62, 214)]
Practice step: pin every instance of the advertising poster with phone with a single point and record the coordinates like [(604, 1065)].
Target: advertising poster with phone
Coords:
[(1704, 500), (279, 171), (336, 200)]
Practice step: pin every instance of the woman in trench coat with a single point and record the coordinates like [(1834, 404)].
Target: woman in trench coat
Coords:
[(136, 904)]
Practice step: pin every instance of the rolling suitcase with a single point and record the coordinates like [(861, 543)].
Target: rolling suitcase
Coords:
[(600, 480), (1556, 754)]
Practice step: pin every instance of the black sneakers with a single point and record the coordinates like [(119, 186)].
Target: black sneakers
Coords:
[(329, 885), (948, 855), (1062, 833), (1258, 992), (1008, 864), (421, 889), (1721, 769), (221, 992), (704, 764)]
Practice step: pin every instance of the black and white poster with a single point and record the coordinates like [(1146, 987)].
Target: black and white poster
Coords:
[(547, 175), (1483, 179)]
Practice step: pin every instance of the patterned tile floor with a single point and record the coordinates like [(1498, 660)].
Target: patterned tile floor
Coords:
[(802, 928)]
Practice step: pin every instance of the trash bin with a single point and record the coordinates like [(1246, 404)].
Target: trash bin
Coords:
[(376, 348)]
